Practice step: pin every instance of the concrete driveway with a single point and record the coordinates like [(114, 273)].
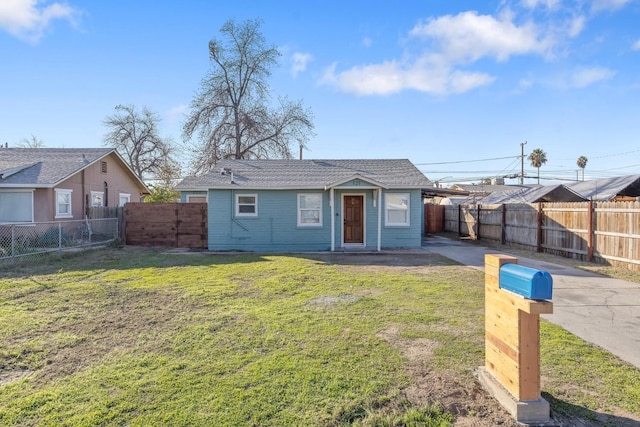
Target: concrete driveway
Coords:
[(598, 309)]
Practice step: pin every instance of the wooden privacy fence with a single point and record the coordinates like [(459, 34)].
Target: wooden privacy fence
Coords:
[(181, 225), (605, 232)]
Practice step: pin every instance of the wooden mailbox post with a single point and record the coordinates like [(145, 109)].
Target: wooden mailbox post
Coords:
[(512, 346)]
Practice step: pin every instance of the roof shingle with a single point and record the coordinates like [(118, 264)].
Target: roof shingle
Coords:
[(307, 174), (44, 166)]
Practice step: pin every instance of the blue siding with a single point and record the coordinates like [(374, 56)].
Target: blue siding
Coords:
[(403, 236), (275, 227)]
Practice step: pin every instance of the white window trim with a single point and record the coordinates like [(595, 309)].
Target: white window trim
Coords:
[(244, 214), (121, 195), (386, 211), (70, 193), (95, 193), (299, 211)]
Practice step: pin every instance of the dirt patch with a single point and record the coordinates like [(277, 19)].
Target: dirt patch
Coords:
[(333, 299), (466, 400), (83, 336), (9, 376), (465, 397)]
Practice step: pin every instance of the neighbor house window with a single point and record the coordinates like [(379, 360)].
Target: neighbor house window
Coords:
[(309, 210), (124, 199), (97, 198), (103, 167), (191, 198), (396, 208), (16, 206), (246, 205), (63, 204)]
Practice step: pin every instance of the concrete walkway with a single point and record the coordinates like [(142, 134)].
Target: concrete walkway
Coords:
[(598, 309)]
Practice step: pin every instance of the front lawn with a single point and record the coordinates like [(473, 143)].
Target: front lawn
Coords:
[(137, 337)]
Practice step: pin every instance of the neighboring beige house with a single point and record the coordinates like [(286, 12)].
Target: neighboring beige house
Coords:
[(57, 184)]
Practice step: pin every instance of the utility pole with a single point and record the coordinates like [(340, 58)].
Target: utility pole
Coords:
[(522, 144)]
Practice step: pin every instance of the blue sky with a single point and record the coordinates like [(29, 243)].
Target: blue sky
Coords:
[(445, 84)]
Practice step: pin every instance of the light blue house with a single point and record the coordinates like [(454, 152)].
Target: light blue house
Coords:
[(311, 205)]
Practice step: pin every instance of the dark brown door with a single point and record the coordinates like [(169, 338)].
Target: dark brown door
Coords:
[(353, 219)]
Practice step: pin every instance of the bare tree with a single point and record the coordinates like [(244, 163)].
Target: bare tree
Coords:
[(136, 137), (231, 115), (163, 190), (33, 142), (582, 163), (537, 159)]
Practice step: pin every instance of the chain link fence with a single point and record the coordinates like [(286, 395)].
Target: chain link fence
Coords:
[(34, 241)]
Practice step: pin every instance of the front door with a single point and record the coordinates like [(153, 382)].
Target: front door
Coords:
[(353, 220)]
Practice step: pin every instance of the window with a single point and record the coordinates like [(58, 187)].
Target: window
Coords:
[(309, 210), (103, 167), (192, 198), (396, 208), (16, 206), (97, 198), (124, 199), (246, 205), (63, 204)]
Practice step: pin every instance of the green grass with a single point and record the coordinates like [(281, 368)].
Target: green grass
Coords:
[(137, 337)]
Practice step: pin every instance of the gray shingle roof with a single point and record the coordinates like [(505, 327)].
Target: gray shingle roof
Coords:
[(44, 167), (546, 193), (307, 174), (608, 188)]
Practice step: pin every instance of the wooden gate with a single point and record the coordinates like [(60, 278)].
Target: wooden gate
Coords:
[(433, 218), (179, 225)]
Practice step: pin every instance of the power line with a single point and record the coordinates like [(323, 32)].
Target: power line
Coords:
[(466, 161)]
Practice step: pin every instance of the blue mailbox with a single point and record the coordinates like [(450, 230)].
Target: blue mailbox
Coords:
[(525, 281)]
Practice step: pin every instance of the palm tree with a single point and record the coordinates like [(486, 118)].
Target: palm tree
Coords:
[(537, 159), (582, 163)]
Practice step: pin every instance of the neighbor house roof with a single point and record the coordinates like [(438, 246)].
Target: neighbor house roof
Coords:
[(546, 193), (47, 167), (306, 174), (608, 188), (488, 188)]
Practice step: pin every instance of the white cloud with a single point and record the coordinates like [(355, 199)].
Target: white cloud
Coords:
[(636, 45), (426, 75), (588, 76), (550, 4), (469, 37), (176, 113), (524, 85), (599, 5), (28, 19), (576, 25), (299, 62), (456, 42)]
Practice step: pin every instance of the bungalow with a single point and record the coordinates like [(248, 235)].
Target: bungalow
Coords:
[(58, 184), (311, 205)]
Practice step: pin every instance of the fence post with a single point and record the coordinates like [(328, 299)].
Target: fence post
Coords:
[(59, 238), (590, 232), (478, 221), (459, 221), (503, 230), (13, 242), (539, 228)]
